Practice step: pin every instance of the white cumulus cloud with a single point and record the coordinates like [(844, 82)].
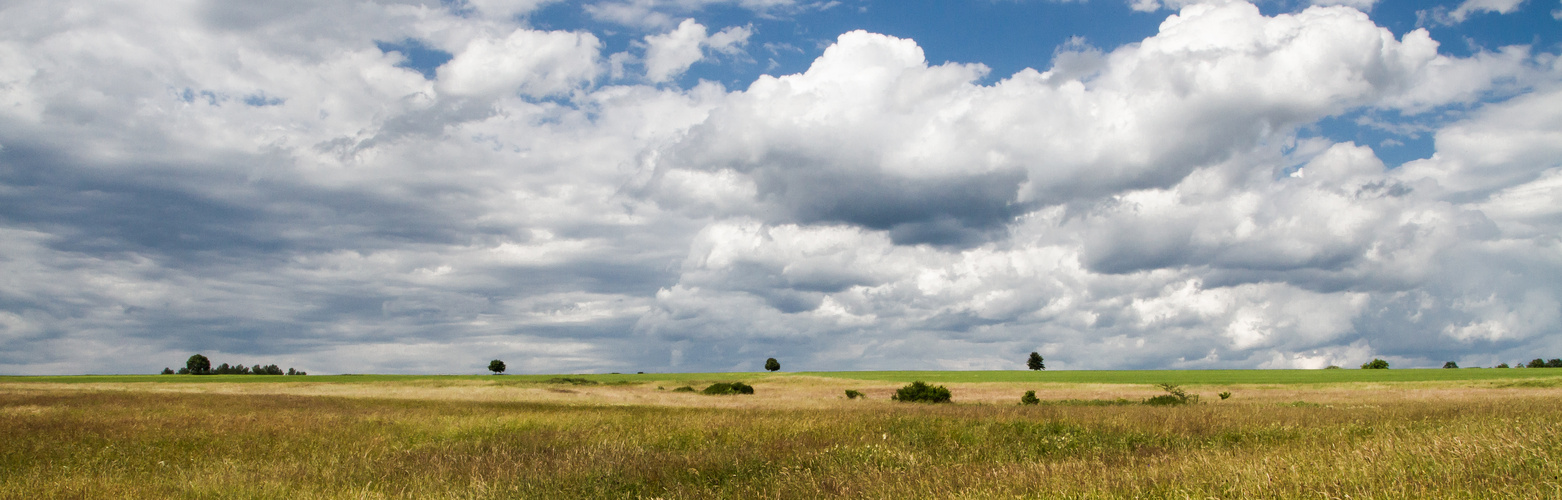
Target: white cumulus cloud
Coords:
[(670, 54), (532, 62)]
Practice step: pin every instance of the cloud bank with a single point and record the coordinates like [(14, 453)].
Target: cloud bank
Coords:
[(261, 185)]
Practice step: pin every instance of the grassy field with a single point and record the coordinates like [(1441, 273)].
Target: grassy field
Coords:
[(1283, 434)]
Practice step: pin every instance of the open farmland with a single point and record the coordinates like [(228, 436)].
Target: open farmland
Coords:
[(1290, 434)]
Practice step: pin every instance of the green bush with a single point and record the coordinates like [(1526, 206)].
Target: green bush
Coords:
[(1450, 365), (1029, 398), (1174, 396), (1225, 395), (1332, 367), (921, 392), (852, 394), (684, 389), (1375, 364), (728, 388), (1504, 365)]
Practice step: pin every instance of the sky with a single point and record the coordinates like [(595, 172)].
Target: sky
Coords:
[(409, 186)]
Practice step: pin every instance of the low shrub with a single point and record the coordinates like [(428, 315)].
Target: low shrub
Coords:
[(1174, 396), (571, 381), (728, 388), (684, 389), (852, 394), (1375, 364), (1225, 395), (1029, 398), (921, 392)]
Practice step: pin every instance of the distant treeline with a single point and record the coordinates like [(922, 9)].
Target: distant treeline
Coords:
[(200, 365)]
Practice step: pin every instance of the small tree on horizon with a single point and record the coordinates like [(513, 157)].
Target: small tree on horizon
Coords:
[(772, 365), (1450, 364), (198, 365), (1375, 364), (496, 366), (1035, 362)]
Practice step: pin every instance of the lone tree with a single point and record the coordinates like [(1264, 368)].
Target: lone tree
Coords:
[(1375, 364), (1035, 362), (496, 366), (198, 365), (772, 365), (1450, 364)]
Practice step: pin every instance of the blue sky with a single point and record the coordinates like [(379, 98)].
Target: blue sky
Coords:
[(421, 186)]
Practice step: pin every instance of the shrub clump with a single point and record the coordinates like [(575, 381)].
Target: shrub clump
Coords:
[(921, 392), (1225, 395), (854, 394), (728, 388), (571, 381), (1375, 364), (684, 389), (1174, 396), (1029, 399)]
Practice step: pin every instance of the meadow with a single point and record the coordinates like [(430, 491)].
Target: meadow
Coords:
[(1469, 433)]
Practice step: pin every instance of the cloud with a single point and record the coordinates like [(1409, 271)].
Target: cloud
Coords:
[(536, 63), (1443, 16), (872, 135), (670, 54), (662, 14), (506, 8), (267, 185), (1230, 234), (1361, 5)]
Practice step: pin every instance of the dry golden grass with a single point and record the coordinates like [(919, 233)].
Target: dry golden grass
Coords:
[(798, 437)]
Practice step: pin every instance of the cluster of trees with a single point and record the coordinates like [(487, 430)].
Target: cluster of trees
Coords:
[(1534, 363), (201, 365)]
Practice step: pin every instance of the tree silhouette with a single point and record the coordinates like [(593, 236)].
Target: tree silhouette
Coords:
[(198, 365)]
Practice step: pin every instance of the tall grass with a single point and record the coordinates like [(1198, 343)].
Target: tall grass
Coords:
[(91, 444)]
